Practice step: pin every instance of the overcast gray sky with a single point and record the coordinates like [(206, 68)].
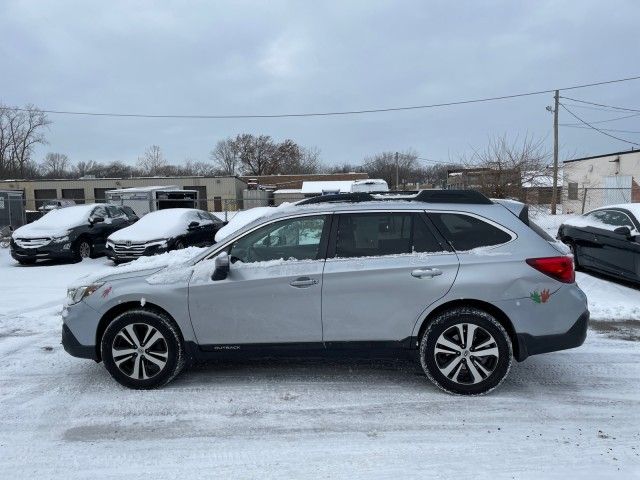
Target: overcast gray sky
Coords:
[(241, 57)]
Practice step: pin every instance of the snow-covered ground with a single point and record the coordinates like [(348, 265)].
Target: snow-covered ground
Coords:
[(572, 414)]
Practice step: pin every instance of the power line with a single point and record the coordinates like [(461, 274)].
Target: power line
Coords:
[(596, 128), (603, 105), (589, 107), (603, 129), (602, 121), (334, 113)]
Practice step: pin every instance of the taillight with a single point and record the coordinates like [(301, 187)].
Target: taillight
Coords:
[(560, 268)]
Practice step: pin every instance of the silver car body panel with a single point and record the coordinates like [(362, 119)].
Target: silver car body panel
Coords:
[(355, 299)]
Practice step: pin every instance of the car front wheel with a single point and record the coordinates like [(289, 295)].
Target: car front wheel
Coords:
[(466, 351), (82, 249), (142, 349)]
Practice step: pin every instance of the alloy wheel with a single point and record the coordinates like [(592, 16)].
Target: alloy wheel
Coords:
[(140, 351), (466, 353), (84, 250)]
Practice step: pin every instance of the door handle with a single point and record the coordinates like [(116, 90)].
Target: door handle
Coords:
[(426, 272), (303, 282)]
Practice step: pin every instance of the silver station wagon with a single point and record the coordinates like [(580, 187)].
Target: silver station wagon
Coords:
[(461, 282)]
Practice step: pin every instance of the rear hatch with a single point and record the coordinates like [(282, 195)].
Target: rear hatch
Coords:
[(521, 210)]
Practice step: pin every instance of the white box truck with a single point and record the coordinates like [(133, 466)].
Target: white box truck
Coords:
[(149, 199)]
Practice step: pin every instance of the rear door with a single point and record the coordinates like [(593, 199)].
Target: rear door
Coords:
[(382, 271)]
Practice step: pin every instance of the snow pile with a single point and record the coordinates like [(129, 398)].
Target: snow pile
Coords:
[(609, 300), (158, 225), (56, 222)]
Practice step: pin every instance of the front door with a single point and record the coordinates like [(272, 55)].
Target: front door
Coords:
[(272, 293), (386, 269)]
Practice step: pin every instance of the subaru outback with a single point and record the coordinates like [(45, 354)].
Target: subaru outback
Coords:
[(463, 283)]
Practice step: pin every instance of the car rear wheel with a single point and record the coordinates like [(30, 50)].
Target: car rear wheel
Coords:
[(142, 349), (82, 249), (466, 351)]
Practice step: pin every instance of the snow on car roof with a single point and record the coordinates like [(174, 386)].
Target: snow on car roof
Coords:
[(156, 225), (634, 208), (58, 221)]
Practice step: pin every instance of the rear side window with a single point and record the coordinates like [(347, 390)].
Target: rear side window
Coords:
[(379, 234), (465, 232)]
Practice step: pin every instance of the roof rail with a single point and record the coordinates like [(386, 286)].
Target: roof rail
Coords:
[(338, 197), (427, 196)]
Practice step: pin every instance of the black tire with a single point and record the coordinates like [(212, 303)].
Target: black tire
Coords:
[(82, 249), (467, 367), (29, 261), (178, 245), (170, 347)]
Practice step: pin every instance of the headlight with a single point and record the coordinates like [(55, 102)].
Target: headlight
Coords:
[(74, 295), (62, 238), (109, 244), (160, 242)]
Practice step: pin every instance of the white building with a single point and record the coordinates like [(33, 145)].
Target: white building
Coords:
[(592, 182)]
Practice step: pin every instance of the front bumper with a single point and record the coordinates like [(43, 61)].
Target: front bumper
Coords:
[(73, 347), (536, 344), (52, 251), (126, 256)]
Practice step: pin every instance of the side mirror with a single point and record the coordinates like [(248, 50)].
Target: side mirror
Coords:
[(193, 225), (96, 219), (623, 231), (222, 267)]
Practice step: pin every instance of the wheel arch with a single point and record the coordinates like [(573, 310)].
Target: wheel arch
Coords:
[(499, 315), (112, 313)]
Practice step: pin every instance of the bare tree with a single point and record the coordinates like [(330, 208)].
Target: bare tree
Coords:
[(505, 167), (388, 166), (20, 131), (153, 161), (55, 165), (225, 157)]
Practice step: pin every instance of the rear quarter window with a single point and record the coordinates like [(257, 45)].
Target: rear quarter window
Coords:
[(465, 232)]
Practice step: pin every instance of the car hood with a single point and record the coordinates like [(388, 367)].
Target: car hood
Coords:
[(33, 230), (171, 264)]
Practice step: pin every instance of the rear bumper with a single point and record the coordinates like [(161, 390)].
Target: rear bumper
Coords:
[(73, 347), (572, 338)]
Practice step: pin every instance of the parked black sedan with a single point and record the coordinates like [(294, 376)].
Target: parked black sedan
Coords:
[(162, 231), (606, 240), (70, 233)]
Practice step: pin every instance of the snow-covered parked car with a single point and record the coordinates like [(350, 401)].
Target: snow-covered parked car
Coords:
[(463, 283), (606, 240), (162, 231), (71, 233)]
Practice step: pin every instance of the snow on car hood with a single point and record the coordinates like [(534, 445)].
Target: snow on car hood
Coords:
[(244, 218), (156, 225), (172, 261), (56, 222)]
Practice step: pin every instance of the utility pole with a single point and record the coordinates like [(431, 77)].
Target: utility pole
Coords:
[(397, 173), (554, 193)]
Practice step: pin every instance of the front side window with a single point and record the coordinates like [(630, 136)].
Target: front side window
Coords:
[(380, 234), (465, 232), (291, 239), (100, 212)]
